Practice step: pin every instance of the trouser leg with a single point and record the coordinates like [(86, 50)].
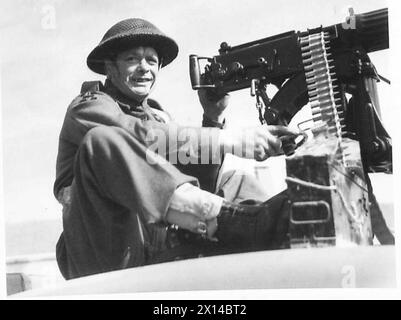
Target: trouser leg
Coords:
[(116, 196)]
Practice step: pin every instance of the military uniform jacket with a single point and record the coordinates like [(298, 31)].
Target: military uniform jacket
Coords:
[(106, 106)]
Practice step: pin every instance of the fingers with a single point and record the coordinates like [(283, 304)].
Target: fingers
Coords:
[(258, 143), (212, 96), (211, 228), (270, 142), (265, 144), (274, 133), (274, 144), (282, 130), (260, 153), (187, 221), (265, 148), (215, 96)]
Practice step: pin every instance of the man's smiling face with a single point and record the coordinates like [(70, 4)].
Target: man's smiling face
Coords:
[(134, 71)]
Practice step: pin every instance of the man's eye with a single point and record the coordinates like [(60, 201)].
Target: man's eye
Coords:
[(153, 61), (131, 58)]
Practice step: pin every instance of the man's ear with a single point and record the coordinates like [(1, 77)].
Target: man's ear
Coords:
[(110, 68)]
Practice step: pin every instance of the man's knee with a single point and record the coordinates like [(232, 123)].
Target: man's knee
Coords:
[(103, 140), (108, 145), (99, 144), (102, 135)]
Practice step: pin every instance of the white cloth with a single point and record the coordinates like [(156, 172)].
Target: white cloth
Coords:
[(192, 200)]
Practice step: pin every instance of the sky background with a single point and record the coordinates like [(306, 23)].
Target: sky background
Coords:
[(44, 45)]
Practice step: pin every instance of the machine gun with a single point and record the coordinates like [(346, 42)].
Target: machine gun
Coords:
[(328, 67)]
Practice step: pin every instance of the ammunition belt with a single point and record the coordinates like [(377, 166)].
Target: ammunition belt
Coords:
[(324, 95)]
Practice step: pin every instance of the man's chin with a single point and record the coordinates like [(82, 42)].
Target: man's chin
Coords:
[(140, 90), (139, 94)]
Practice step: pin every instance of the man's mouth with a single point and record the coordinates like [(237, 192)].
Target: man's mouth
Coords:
[(141, 80)]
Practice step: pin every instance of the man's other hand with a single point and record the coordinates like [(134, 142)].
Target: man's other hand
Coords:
[(257, 143), (213, 104)]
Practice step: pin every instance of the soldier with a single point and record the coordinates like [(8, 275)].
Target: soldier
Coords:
[(122, 203)]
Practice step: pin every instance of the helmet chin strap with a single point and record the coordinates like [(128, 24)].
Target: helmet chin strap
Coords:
[(154, 80)]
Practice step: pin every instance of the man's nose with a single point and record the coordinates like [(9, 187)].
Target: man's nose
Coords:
[(143, 66)]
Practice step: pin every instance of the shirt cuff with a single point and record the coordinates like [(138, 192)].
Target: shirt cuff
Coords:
[(206, 122)]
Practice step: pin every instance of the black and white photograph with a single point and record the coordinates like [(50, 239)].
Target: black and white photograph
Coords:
[(198, 149)]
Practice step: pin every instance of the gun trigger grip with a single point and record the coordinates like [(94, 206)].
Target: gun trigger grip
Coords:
[(195, 74)]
